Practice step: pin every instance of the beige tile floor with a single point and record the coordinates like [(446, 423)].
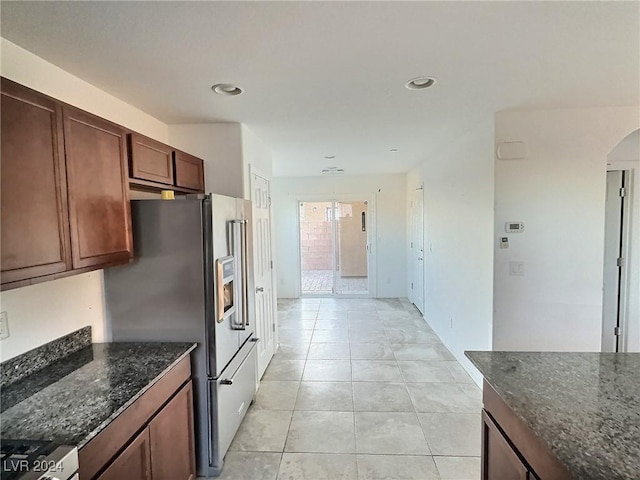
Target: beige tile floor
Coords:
[(359, 389)]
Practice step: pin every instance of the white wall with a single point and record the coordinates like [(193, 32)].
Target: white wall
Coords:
[(220, 146), (458, 235), (626, 156), (558, 192), (255, 154), (28, 69), (44, 312), (391, 230), (227, 150)]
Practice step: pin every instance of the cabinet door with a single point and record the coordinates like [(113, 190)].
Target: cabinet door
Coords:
[(172, 441), (35, 225), (189, 171), (150, 159), (99, 212), (134, 463), (499, 459)]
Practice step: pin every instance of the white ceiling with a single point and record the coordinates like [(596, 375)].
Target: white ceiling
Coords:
[(327, 78)]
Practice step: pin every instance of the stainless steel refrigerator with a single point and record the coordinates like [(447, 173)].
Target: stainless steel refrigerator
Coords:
[(192, 280)]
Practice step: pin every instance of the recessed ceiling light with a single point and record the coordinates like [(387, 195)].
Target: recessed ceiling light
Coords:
[(393, 150), (330, 157), (227, 89), (420, 83)]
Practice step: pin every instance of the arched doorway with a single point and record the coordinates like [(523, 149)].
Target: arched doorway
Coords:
[(621, 282)]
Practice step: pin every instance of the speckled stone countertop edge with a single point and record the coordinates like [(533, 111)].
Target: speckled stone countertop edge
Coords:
[(115, 414), (596, 434), (497, 390)]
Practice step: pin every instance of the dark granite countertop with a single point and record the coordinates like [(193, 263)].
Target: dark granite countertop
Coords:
[(584, 406), (71, 400)]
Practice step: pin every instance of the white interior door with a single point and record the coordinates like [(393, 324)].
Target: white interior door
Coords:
[(265, 318), (416, 249)]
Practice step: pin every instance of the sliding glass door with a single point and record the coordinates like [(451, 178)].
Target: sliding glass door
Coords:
[(335, 247)]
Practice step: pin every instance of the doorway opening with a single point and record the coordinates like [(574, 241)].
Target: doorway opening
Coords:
[(614, 262), (416, 249), (334, 247), (621, 282)]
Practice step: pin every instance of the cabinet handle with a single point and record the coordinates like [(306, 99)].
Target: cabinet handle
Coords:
[(259, 289)]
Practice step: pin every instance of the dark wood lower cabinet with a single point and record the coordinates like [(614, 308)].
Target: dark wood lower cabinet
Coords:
[(152, 439), (132, 464), (172, 441), (510, 449), (499, 460)]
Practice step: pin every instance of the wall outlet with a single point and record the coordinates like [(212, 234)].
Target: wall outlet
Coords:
[(4, 325)]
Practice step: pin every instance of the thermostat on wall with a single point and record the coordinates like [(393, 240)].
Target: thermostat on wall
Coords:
[(514, 227)]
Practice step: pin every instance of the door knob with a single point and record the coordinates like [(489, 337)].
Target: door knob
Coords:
[(259, 289)]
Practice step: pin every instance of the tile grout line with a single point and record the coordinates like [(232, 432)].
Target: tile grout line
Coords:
[(286, 438)]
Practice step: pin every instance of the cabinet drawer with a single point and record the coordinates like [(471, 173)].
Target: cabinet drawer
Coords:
[(150, 159), (189, 171), (234, 399)]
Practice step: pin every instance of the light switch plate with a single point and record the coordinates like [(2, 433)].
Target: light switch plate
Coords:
[(4, 325), (516, 269)]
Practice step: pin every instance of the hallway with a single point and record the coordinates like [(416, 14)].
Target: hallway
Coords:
[(359, 389), (321, 281)]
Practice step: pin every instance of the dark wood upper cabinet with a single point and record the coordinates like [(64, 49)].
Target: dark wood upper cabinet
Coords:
[(35, 224), (65, 196), (99, 212), (172, 441), (150, 159), (65, 186), (189, 171)]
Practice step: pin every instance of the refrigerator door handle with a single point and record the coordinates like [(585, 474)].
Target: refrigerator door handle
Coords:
[(239, 292), (245, 274)]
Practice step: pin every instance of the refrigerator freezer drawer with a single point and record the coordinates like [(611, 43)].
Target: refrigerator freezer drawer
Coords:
[(235, 390)]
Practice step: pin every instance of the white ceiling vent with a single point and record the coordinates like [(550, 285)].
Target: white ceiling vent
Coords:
[(512, 151), (332, 171)]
